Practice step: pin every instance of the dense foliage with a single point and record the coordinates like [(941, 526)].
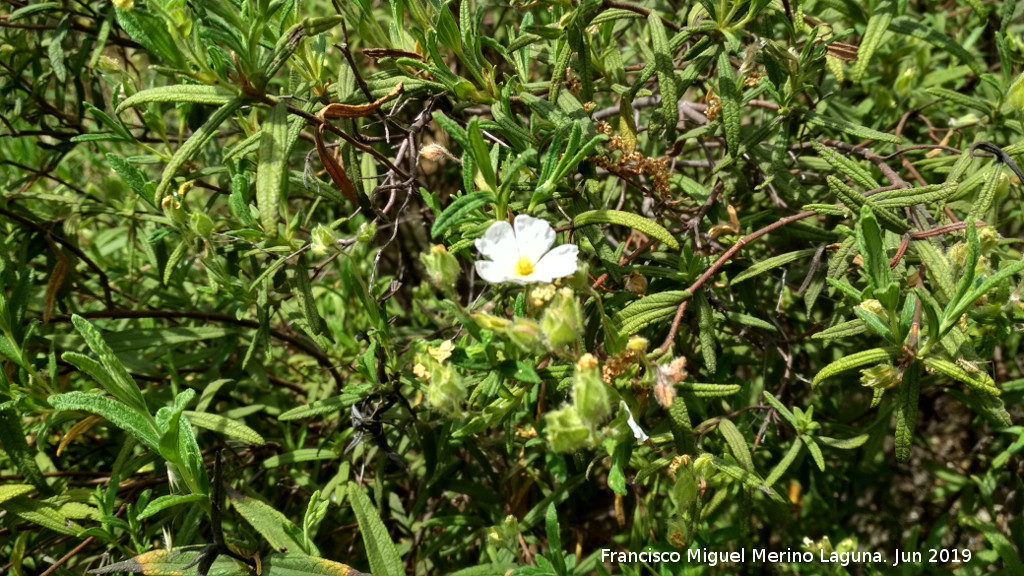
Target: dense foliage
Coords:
[(241, 315)]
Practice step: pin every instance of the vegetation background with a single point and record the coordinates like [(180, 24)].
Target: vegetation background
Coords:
[(239, 314)]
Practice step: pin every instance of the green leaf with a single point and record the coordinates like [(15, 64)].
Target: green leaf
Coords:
[(845, 165), (620, 460), (332, 405), (275, 528), (164, 502), (706, 332), (856, 201), (226, 426), (737, 444), (952, 314), (961, 99), (655, 307), (785, 463), (172, 563), (978, 381), (771, 263), (786, 414), (132, 176), (295, 564), (729, 97), (849, 362), (8, 491), (178, 94), (665, 69), (554, 540), (634, 221), (1000, 543), (121, 385), (702, 390), (881, 16), (847, 127), (457, 210), (906, 410), (815, 451), (481, 154), (911, 26), (143, 429), (844, 443), (842, 330), (380, 550), (196, 142), (272, 171), (970, 265), (152, 33), (872, 249), (301, 455), (749, 480), (12, 439)]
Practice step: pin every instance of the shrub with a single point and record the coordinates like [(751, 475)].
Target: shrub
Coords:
[(477, 288)]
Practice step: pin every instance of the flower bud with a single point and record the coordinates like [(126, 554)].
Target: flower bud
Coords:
[(126, 5), (883, 376), (201, 224), (443, 269), (566, 430), (591, 396), (872, 306), (637, 345), (324, 240), (490, 322), (447, 390), (367, 232), (525, 333), (1015, 95), (562, 320)]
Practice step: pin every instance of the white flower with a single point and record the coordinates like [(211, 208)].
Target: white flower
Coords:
[(523, 255)]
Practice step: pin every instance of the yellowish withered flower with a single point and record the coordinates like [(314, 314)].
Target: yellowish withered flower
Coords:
[(442, 352)]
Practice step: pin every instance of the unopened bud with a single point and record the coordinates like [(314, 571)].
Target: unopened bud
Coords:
[(443, 269), (323, 240), (562, 320), (566, 430)]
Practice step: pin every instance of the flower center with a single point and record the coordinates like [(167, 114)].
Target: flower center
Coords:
[(524, 267)]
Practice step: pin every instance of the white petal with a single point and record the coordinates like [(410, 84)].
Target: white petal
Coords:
[(562, 261), (639, 434), (499, 242), (534, 237), (493, 272)]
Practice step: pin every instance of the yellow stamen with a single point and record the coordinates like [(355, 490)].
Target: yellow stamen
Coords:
[(524, 267)]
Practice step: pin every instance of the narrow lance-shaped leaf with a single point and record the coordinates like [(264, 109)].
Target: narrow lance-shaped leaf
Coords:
[(878, 24), (120, 384), (115, 412), (729, 98), (855, 360), (737, 444), (178, 94), (195, 143), (666, 73), (275, 528), (12, 440), (906, 410), (272, 171), (380, 550), (634, 221)]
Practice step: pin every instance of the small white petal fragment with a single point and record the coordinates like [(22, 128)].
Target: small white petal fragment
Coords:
[(639, 434), (522, 254)]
